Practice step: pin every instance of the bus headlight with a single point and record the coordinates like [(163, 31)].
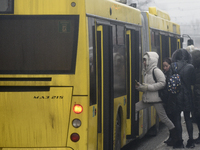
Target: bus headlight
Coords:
[(76, 123)]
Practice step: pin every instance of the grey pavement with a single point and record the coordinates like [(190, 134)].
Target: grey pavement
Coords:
[(163, 146)]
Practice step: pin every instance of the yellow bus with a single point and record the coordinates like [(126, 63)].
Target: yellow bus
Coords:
[(68, 69)]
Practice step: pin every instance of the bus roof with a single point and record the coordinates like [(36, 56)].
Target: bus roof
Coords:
[(113, 10), (159, 20)]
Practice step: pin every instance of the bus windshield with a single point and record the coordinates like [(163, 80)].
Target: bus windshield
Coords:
[(38, 44)]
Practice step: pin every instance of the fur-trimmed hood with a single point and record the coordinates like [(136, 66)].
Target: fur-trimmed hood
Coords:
[(151, 60)]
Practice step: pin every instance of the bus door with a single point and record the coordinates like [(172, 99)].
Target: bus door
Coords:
[(92, 132), (174, 45), (104, 86), (132, 46), (101, 90)]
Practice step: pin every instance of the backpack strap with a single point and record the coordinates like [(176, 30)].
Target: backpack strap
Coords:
[(175, 67), (176, 70), (154, 77)]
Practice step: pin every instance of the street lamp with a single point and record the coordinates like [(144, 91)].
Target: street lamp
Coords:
[(190, 41)]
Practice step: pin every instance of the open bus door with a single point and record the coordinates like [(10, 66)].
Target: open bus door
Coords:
[(101, 86), (105, 87), (132, 46)]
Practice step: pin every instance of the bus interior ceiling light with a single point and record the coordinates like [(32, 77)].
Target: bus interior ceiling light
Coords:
[(78, 109)]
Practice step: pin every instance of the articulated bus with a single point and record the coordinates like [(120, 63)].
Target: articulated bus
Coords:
[(68, 69)]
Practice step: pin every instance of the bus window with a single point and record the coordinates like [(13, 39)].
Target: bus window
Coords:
[(7, 6), (173, 45), (155, 44), (165, 46), (92, 55), (119, 62), (38, 44)]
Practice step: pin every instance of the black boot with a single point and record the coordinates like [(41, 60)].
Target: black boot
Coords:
[(168, 140), (197, 141), (178, 144), (190, 143), (174, 137)]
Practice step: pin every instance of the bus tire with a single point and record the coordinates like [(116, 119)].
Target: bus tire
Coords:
[(118, 133)]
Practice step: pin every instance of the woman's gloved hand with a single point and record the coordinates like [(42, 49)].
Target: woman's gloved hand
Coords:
[(142, 87)]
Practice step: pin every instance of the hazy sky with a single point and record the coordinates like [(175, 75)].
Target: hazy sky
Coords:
[(184, 12)]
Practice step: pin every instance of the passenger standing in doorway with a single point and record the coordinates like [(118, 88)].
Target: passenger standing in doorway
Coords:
[(150, 90), (168, 105), (196, 90), (183, 100)]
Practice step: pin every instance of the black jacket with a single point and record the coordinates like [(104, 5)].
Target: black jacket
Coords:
[(168, 102), (183, 101), (196, 63)]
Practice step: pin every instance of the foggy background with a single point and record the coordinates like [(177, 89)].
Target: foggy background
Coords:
[(186, 13)]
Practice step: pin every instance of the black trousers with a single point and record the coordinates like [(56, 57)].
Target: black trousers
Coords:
[(178, 125), (197, 119)]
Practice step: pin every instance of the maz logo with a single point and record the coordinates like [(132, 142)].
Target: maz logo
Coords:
[(48, 97)]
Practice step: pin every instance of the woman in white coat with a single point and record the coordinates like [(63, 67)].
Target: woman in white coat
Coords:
[(150, 90)]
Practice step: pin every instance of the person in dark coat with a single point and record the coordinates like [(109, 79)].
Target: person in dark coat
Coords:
[(166, 98), (196, 90), (166, 67), (183, 101)]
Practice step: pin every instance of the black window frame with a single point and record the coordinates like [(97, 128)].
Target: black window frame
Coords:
[(75, 44), (11, 11)]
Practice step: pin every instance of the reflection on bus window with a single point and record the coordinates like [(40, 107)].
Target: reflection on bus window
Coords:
[(119, 59), (155, 44), (38, 44), (92, 55)]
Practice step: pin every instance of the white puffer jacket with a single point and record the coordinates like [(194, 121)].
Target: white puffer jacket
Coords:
[(151, 95)]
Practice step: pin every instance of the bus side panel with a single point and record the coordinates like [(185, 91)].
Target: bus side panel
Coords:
[(35, 118)]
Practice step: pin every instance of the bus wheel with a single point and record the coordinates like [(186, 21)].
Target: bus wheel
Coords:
[(118, 133)]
